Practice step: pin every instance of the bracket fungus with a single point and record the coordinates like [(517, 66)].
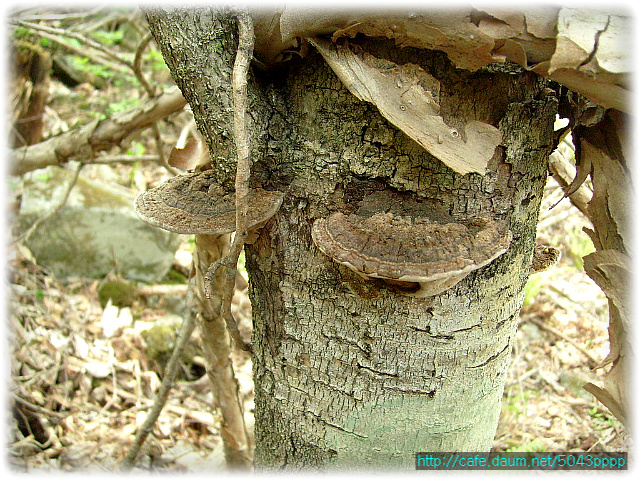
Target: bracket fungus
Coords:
[(194, 204), (402, 250)]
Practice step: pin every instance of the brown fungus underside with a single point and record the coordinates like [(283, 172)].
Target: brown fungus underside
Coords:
[(194, 204), (402, 249)]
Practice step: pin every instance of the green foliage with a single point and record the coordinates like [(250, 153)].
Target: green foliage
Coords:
[(533, 286), (136, 168), (155, 60), (123, 105), (108, 38), (535, 446), (135, 149), (42, 176), (578, 244), (174, 277), (83, 64), (513, 402), (601, 420), (21, 33), (13, 184)]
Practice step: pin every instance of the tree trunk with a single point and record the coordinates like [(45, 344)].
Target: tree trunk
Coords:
[(351, 372)]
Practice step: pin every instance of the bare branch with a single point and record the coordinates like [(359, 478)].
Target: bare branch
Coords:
[(137, 70), (76, 36), (82, 143), (137, 65)]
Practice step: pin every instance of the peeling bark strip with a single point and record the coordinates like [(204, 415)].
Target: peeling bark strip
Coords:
[(605, 147), (585, 49), (401, 93), (82, 143)]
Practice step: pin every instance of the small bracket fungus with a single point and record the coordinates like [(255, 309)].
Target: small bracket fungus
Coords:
[(194, 204), (401, 249), (543, 257)]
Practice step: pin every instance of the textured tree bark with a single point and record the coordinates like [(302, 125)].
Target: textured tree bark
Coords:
[(30, 90), (351, 372)]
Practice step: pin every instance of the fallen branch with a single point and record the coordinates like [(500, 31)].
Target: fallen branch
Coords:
[(107, 159), (82, 143), (149, 290)]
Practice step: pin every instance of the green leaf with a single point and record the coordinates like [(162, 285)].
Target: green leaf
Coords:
[(123, 105), (108, 38), (156, 60), (136, 148)]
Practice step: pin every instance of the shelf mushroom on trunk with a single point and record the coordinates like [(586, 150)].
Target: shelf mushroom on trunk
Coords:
[(194, 204), (410, 252)]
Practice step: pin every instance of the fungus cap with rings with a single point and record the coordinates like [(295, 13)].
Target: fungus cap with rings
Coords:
[(404, 249), (194, 204)]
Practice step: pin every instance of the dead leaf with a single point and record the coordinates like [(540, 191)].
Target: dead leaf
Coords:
[(193, 154), (611, 203), (114, 318), (98, 369)]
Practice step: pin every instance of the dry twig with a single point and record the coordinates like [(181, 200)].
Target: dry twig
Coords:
[(217, 351), (137, 70), (51, 33), (161, 396)]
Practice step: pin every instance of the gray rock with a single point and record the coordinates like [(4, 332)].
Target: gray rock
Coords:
[(96, 230)]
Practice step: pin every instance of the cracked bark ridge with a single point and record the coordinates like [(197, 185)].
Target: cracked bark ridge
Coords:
[(403, 249), (194, 204)]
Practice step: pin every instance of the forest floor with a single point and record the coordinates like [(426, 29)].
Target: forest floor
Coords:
[(79, 395)]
